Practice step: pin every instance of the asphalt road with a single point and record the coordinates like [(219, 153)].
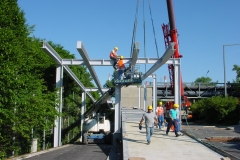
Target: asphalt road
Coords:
[(203, 133), (74, 152)]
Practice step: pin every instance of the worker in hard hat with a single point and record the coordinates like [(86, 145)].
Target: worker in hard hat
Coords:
[(149, 118), (121, 68), (114, 56), (172, 121), (160, 115)]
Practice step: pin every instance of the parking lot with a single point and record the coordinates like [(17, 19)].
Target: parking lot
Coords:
[(223, 139)]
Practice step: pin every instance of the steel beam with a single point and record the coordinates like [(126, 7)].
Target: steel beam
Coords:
[(107, 62), (52, 53), (135, 54), (56, 57), (74, 77), (81, 49), (96, 89), (166, 56)]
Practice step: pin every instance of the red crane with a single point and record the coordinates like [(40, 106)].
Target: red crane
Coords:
[(171, 35)]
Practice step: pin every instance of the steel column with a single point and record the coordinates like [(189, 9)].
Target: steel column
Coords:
[(154, 92), (83, 107), (177, 86), (145, 97), (57, 122), (139, 97), (117, 125)]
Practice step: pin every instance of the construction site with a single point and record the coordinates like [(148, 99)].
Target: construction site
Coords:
[(119, 137)]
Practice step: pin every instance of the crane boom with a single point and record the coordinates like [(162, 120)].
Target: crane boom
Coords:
[(171, 35)]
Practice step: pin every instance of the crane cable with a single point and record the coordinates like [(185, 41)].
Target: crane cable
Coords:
[(144, 36), (153, 28), (134, 29)]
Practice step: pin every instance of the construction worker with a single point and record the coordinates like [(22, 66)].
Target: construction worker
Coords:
[(149, 118), (173, 116), (160, 115), (121, 68), (177, 121), (113, 56)]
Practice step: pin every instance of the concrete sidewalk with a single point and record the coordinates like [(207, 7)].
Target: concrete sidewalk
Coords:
[(162, 146)]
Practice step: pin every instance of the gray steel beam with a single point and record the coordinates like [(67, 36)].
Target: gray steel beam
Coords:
[(96, 89), (107, 62), (52, 53), (135, 54), (166, 56), (74, 77), (81, 49)]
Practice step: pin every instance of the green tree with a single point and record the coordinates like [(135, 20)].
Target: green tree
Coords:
[(23, 99), (203, 80), (237, 69), (27, 81), (110, 83), (236, 83), (216, 110)]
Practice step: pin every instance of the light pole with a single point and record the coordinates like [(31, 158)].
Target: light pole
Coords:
[(225, 86), (207, 73), (206, 78)]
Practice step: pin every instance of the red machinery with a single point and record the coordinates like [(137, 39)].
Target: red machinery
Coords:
[(171, 35)]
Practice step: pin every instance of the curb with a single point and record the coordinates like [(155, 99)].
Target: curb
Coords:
[(36, 153)]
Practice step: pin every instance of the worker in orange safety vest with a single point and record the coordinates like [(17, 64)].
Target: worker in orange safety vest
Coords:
[(114, 56), (121, 68), (160, 115)]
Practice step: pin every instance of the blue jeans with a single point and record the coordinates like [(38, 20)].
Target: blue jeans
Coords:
[(149, 133), (120, 74), (170, 123), (160, 120), (177, 124)]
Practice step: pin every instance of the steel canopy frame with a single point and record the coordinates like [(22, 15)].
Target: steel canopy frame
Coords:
[(83, 53), (132, 61), (52, 53), (108, 62)]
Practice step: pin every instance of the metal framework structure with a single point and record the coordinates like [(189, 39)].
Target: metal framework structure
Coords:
[(81, 49), (196, 90), (63, 64)]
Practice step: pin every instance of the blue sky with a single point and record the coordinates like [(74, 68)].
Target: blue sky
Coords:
[(204, 26)]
